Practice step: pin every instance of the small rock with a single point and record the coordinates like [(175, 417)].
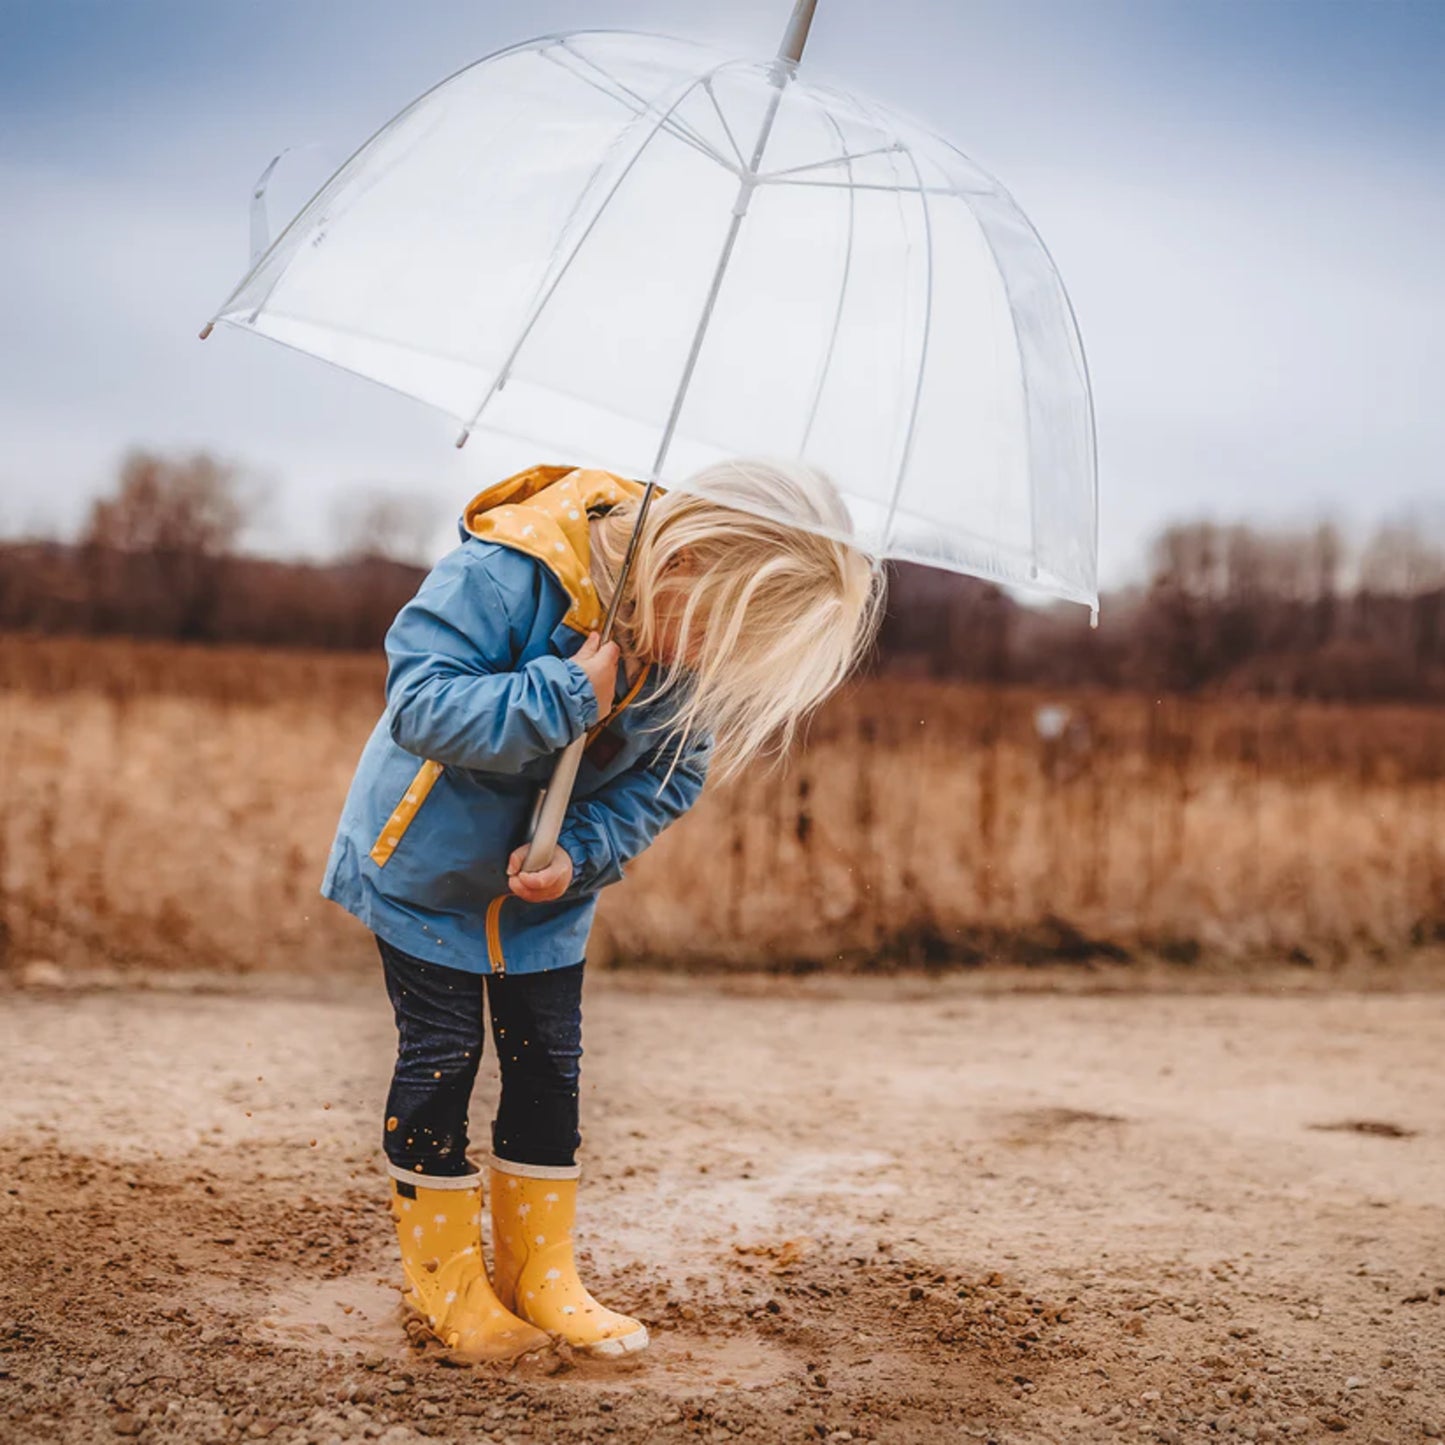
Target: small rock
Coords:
[(126, 1425), (1354, 1383)]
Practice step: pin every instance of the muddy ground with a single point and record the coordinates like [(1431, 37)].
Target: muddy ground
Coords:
[(856, 1210)]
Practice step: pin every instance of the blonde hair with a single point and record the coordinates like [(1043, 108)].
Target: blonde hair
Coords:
[(774, 616)]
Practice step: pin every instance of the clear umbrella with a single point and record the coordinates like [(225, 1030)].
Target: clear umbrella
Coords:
[(647, 256)]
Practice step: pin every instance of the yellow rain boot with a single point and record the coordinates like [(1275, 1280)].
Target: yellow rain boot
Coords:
[(439, 1225), (534, 1208)]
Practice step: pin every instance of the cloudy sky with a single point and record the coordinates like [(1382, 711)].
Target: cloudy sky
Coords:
[(1246, 199)]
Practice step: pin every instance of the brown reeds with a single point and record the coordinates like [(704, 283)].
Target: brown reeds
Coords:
[(173, 806)]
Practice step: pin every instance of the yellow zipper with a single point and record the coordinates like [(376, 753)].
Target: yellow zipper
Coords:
[(494, 935), (494, 908)]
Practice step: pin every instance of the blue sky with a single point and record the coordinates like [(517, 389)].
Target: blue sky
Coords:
[(1246, 199)]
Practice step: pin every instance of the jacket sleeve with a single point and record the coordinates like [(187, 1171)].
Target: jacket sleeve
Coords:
[(603, 832), (453, 691)]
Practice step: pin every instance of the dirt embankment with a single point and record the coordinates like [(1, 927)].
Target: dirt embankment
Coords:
[(858, 1211)]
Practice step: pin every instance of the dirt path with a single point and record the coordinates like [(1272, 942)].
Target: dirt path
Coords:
[(858, 1211)]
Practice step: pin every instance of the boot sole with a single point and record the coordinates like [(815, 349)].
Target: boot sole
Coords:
[(499, 1356), (628, 1344)]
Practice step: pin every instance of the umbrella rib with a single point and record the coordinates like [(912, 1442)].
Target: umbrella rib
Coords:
[(680, 128), (550, 289), (906, 453), (1023, 374), (740, 209), (897, 191), (847, 158), (677, 128), (859, 186), (842, 295), (727, 129)]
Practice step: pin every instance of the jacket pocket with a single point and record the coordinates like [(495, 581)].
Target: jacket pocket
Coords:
[(402, 815)]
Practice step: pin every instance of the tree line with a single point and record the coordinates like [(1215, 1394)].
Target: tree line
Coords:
[(1224, 608)]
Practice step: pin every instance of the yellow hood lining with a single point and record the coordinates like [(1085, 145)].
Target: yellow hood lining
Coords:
[(543, 512)]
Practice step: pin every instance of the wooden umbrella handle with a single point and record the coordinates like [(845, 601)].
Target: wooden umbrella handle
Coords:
[(551, 806)]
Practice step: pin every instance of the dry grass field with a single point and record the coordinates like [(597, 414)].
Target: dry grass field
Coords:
[(172, 807)]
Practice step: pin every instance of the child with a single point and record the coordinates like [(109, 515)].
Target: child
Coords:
[(732, 629)]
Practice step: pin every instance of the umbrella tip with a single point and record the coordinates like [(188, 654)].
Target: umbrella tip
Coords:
[(462, 440), (206, 329)]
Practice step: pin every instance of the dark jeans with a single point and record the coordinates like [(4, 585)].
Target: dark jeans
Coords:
[(537, 1030)]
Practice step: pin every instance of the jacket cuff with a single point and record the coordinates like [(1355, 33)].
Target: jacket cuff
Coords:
[(573, 687), (592, 863)]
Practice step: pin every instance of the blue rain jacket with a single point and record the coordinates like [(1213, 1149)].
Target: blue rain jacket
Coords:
[(480, 696)]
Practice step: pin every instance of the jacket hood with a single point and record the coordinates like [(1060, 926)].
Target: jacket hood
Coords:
[(543, 512)]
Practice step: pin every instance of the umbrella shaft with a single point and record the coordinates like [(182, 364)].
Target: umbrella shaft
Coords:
[(622, 572), (551, 803), (747, 183)]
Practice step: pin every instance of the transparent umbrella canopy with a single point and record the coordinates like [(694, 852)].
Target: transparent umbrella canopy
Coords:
[(646, 256)]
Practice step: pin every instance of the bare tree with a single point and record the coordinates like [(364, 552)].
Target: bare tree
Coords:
[(189, 505), (1401, 562), (158, 545), (379, 523)]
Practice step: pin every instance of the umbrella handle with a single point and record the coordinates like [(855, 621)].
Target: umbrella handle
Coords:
[(790, 52), (551, 806)]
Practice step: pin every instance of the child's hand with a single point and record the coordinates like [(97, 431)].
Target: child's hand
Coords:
[(598, 660), (545, 884)]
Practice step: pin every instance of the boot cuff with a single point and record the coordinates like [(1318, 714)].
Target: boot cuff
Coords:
[(433, 1181), (536, 1171)]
